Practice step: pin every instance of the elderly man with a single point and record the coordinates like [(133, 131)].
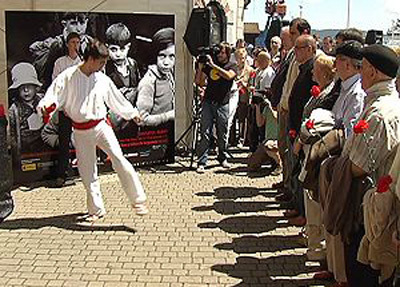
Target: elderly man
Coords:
[(369, 151), (305, 50), (298, 26), (349, 105), (346, 111), (371, 154)]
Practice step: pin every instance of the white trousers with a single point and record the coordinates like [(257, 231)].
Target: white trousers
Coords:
[(103, 136)]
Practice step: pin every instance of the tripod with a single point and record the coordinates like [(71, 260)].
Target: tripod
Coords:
[(194, 125)]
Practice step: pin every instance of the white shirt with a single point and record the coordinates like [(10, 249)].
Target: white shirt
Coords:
[(264, 78), (85, 98), (63, 63)]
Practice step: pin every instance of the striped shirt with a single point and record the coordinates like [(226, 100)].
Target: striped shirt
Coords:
[(373, 151)]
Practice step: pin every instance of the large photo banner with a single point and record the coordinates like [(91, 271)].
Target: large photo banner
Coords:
[(140, 65)]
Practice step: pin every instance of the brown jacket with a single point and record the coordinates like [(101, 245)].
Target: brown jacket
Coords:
[(341, 197)]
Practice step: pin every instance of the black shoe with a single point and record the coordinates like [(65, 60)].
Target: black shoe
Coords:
[(283, 197), (277, 185)]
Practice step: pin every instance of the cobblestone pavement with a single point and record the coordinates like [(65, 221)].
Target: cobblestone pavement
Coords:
[(220, 228)]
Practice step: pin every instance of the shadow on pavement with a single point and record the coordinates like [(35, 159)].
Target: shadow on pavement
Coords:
[(233, 207), (269, 243), (67, 221), (269, 271), (231, 192), (245, 224)]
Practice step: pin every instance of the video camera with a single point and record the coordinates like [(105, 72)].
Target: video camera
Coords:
[(260, 97), (213, 51)]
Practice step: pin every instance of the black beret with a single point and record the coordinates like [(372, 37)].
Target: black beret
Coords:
[(382, 58), (351, 49), (163, 38)]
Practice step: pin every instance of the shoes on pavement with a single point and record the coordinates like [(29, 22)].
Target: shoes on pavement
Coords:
[(225, 164), (298, 221), (290, 213), (283, 197), (141, 208), (200, 169), (91, 218), (324, 275), (277, 185)]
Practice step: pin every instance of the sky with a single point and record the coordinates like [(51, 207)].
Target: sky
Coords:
[(332, 14)]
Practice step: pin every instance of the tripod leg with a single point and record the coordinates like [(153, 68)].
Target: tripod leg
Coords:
[(194, 141)]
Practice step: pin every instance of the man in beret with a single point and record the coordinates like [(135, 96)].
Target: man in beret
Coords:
[(371, 153), (346, 111), (349, 104)]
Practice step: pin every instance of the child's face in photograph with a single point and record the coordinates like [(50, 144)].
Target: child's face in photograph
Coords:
[(119, 54), (166, 59), (27, 92), (76, 25)]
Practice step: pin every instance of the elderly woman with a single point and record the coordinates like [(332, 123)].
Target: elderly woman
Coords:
[(275, 45), (317, 111)]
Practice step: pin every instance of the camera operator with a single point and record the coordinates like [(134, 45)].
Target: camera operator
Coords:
[(264, 76), (219, 76)]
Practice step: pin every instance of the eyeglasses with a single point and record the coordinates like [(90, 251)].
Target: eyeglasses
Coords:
[(301, 47)]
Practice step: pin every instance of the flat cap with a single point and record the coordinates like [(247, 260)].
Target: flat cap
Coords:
[(163, 38), (382, 58), (351, 49)]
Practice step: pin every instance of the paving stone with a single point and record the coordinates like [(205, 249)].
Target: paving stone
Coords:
[(215, 229)]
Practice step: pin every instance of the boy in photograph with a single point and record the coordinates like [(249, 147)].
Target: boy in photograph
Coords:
[(122, 69)]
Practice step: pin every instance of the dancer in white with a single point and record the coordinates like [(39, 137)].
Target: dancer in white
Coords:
[(83, 92)]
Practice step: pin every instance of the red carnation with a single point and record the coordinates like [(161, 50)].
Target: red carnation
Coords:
[(315, 91), (292, 134), (253, 74), (384, 183), (49, 110), (310, 124), (361, 127)]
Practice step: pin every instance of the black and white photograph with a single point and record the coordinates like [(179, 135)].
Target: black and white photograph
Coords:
[(141, 64)]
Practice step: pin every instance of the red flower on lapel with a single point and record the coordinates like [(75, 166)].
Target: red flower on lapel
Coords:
[(361, 127), (384, 183), (315, 91), (310, 124)]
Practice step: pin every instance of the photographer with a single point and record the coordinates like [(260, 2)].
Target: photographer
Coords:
[(265, 116), (220, 77), (264, 76)]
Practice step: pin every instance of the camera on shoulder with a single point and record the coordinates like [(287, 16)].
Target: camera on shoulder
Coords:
[(213, 51)]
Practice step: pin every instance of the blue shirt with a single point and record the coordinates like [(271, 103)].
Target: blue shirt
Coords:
[(349, 105)]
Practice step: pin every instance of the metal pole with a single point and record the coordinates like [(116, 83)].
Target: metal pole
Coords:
[(348, 14)]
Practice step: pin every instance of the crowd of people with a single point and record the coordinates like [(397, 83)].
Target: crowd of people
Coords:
[(324, 114)]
